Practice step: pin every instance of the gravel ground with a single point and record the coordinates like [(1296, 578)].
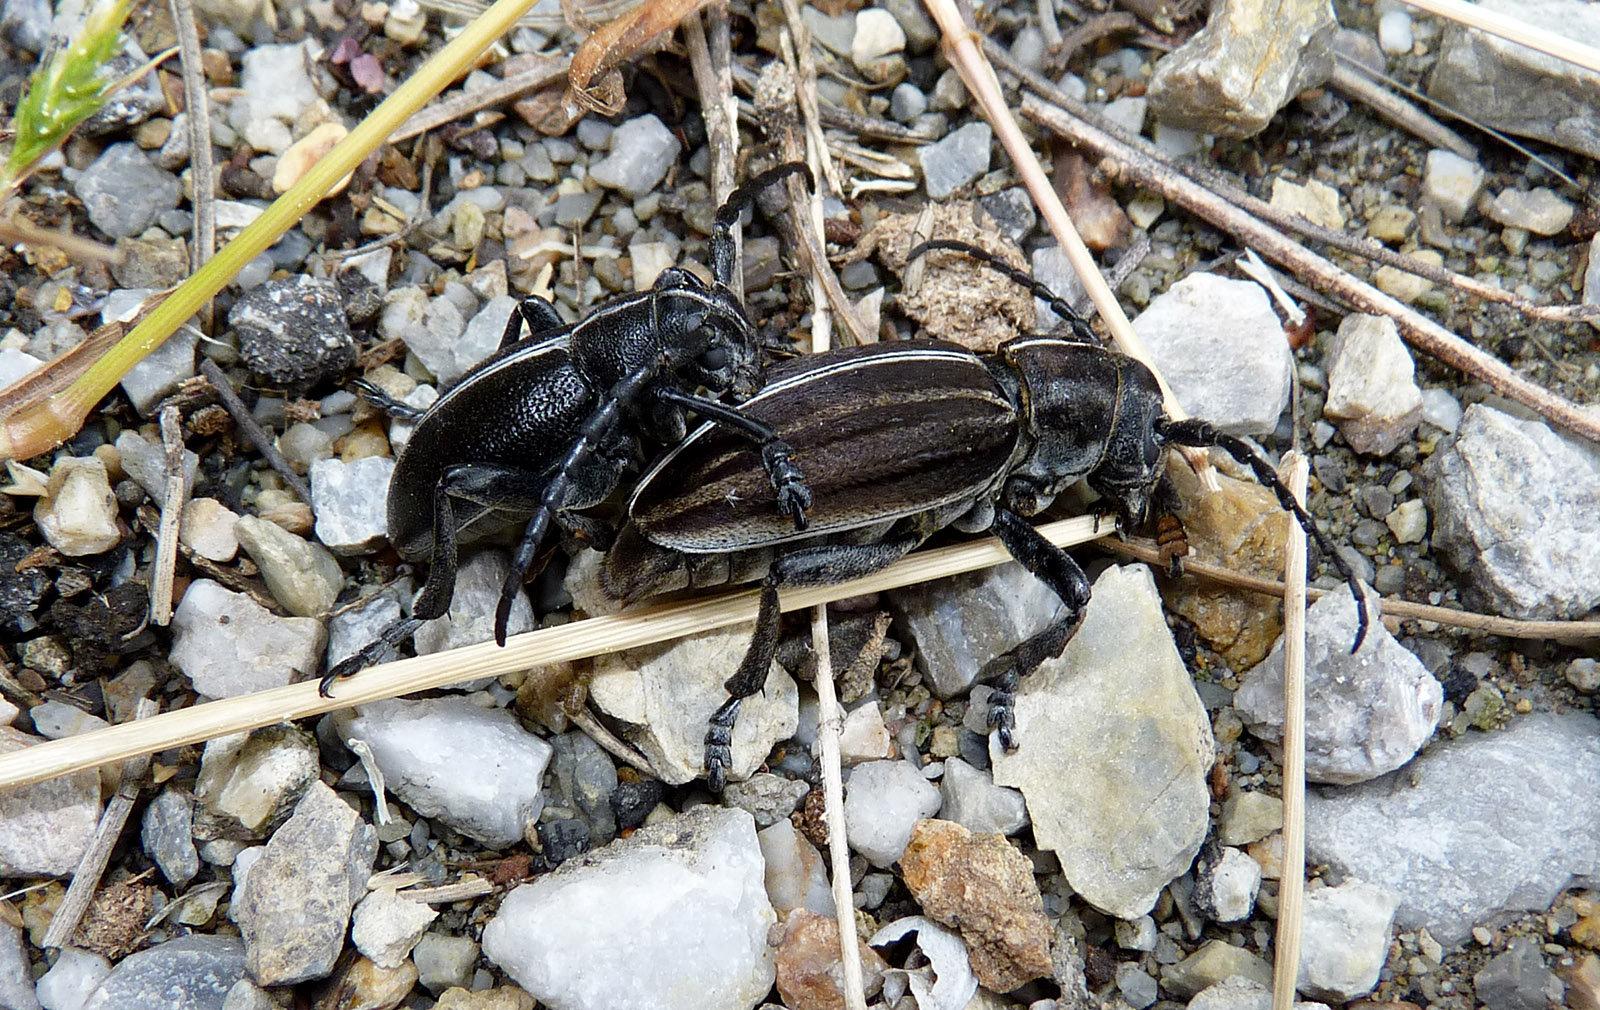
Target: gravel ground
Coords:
[(1127, 854)]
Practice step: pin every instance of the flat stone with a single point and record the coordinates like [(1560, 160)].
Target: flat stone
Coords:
[(1516, 510), (960, 158), (77, 515), (1452, 183), (1539, 210), (1372, 389), (167, 833), (1487, 824), (1520, 90), (675, 917), (473, 768), (228, 644), (46, 827), (193, 972), (296, 901), (883, 801), (1344, 940), (1121, 802), (209, 529), (796, 876), (277, 83), (665, 696), (958, 624), (444, 960), (17, 990), (146, 463), (1249, 816), (385, 926), (76, 974), (1317, 202), (351, 503), (971, 799), (302, 576), (1367, 713), (124, 193), (254, 780), (1240, 993), (1216, 961), (1249, 60), (1517, 979), (1220, 345)]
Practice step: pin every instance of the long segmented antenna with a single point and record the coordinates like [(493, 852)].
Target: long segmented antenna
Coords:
[(1203, 435), (1060, 306), (722, 247)]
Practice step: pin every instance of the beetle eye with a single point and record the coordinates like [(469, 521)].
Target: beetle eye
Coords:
[(714, 359)]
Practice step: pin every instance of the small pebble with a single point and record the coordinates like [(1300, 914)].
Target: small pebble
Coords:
[(642, 150), (1539, 211), (958, 159), (78, 513), (1451, 183), (1394, 33), (301, 575)]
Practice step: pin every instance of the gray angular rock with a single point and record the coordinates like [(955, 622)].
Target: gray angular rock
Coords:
[(666, 694), (293, 332), (190, 973), (971, 799), (302, 576), (1372, 388), (1113, 751), (167, 833), (26, 23), (228, 644), (350, 630), (124, 192), (75, 975), (1344, 940), (146, 463), (642, 150), (1520, 90), (958, 624), (1517, 979), (45, 828), (1367, 713), (766, 797), (1539, 210), (1487, 823), (1220, 345), (444, 960), (278, 87), (351, 502), (795, 874), (297, 898), (474, 768), (1516, 510), (675, 917), (883, 800), (17, 990), (160, 372), (960, 158), (1233, 76), (1452, 183)]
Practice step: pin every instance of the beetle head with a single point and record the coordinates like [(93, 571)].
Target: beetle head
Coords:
[(1135, 451), (706, 338)]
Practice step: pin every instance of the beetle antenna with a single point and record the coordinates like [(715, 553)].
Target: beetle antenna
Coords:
[(722, 247), (1203, 434), (1060, 306)]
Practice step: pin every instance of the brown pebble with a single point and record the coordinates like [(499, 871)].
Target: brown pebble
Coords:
[(981, 886), (810, 973)]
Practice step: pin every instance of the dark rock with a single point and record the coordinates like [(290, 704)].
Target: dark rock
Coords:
[(124, 192), (1518, 979), (20, 592), (294, 332), (127, 107), (634, 800)]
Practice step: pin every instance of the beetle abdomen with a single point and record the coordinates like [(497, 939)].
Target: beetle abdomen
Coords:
[(877, 441)]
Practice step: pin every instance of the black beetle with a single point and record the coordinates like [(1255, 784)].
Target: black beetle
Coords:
[(537, 430), (900, 440)]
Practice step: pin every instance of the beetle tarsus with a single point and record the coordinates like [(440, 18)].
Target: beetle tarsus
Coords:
[(719, 744)]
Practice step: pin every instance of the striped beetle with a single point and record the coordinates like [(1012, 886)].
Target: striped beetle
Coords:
[(549, 422), (900, 440)]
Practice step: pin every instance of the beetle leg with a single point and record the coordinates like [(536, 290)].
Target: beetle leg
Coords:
[(386, 403), (724, 254), (794, 497), (1060, 306), (589, 439), (810, 566), (1056, 569), (1202, 434), (540, 315)]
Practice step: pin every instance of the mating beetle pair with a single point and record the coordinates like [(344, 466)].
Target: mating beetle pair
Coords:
[(899, 440), (548, 424)]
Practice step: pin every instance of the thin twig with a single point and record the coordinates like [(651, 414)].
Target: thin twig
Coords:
[(719, 112), (171, 512), (1399, 111), (829, 722), (1225, 188), (1292, 881), (257, 435), (1489, 624), (197, 105), (547, 71), (806, 91), (86, 879), (583, 719), (775, 102), (645, 625), (18, 230), (1421, 332)]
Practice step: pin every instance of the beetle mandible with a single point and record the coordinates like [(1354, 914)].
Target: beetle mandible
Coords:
[(900, 440), (547, 424)]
